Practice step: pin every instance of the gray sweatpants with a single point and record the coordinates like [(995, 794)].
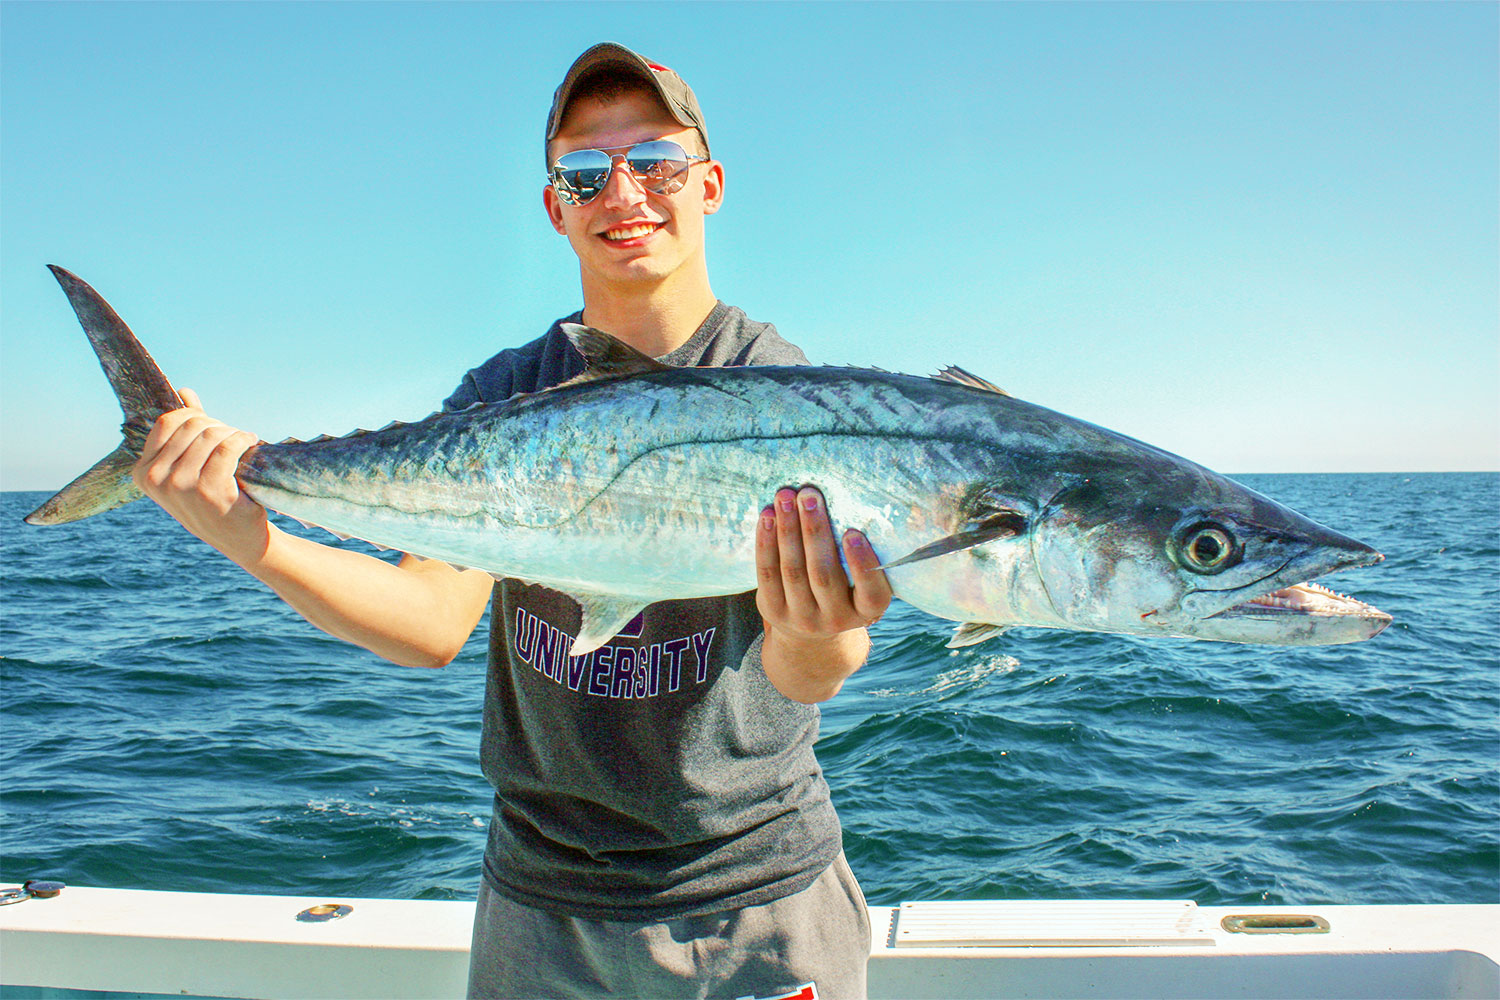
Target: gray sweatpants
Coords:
[(813, 944)]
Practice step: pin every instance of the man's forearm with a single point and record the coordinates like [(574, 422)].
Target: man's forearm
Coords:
[(418, 613), (811, 670)]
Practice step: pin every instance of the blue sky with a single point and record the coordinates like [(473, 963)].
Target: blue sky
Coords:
[(1260, 235)]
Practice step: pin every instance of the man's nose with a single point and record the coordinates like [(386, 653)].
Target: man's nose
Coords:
[(622, 190)]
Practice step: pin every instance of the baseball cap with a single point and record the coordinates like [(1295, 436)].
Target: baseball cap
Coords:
[(675, 94)]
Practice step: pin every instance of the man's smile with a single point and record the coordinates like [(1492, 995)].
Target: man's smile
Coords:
[(630, 231)]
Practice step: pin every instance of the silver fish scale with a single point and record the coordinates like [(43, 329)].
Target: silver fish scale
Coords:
[(637, 483), (682, 459)]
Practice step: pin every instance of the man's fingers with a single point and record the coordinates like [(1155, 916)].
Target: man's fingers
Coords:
[(166, 428), (789, 554), (802, 582), (769, 596), (223, 458), (872, 589), (175, 434), (178, 461), (188, 470), (825, 577)]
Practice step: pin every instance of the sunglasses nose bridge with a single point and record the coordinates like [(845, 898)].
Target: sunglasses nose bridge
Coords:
[(619, 166)]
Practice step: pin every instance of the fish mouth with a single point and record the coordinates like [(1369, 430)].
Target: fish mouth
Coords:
[(1306, 598), (1303, 613)]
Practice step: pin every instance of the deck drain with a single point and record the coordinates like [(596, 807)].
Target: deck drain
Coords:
[(1274, 923)]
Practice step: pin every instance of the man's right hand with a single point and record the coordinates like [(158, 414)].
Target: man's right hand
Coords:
[(418, 612), (188, 467)]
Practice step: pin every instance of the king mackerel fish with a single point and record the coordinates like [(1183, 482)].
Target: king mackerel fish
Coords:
[(639, 482)]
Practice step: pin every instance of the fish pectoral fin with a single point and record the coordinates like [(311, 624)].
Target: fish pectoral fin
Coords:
[(603, 617), (606, 357), (969, 633), (997, 524)]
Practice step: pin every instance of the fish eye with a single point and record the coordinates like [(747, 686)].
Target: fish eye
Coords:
[(1208, 548)]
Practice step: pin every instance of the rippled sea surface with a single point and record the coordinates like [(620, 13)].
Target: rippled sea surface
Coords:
[(169, 724)]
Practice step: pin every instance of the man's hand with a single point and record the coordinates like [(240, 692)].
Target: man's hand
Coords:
[(815, 613), (188, 467), (418, 612)]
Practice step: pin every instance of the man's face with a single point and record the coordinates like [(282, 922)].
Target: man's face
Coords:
[(628, 235)]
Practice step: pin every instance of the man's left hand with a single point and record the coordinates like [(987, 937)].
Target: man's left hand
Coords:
[(815, 613)]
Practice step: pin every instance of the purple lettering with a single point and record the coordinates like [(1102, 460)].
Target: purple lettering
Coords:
[(524, 640), (560, 656), (604, 660), (578, 667), (546, 648), (638, 689), (632, 629), (672, 653), (701, 643), (624, 671), (653, 672)]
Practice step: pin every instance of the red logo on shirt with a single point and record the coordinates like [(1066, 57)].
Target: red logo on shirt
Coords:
[(807, 991)]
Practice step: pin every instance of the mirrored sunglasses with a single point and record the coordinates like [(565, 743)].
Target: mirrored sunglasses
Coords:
[(660, 166)]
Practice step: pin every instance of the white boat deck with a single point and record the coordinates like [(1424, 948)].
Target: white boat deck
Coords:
[(214, 945)]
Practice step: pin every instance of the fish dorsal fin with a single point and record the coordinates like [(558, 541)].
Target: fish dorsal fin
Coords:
[(607, 357), (958, 376), (969, 633), (603, 617)]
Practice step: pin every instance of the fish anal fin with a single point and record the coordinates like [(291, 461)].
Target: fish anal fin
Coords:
[(998, 524), (969, 633), (607, 357), (603, 617), (958, 376)]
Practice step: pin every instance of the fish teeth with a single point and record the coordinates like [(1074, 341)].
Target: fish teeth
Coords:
[(1304, 596)]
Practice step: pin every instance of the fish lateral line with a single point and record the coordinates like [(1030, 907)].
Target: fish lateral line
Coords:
[(1107, 558)]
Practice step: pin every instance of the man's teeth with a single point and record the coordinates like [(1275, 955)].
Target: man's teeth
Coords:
[(631, 232)]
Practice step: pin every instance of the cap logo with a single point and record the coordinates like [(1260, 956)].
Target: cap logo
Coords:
[(659, 67)]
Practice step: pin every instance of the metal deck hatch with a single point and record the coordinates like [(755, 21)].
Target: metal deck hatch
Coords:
[(1048, 924)]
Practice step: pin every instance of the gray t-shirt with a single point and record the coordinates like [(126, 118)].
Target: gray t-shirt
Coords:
[(662, 775)]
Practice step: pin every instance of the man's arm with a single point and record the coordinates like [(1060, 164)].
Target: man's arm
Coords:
[(816, 615), (417, 613)]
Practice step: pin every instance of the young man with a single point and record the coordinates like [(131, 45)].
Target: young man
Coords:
[(661, 827)]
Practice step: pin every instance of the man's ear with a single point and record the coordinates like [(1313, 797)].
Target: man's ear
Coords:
[(713, 187), (554, 209)]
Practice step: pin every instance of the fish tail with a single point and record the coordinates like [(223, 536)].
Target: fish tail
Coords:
[(144, 394)]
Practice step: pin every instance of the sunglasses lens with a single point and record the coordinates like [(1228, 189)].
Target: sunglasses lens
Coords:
[(578, 177), (658, 165)]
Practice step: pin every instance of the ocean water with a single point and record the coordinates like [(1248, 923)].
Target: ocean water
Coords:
[(167, 723)]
